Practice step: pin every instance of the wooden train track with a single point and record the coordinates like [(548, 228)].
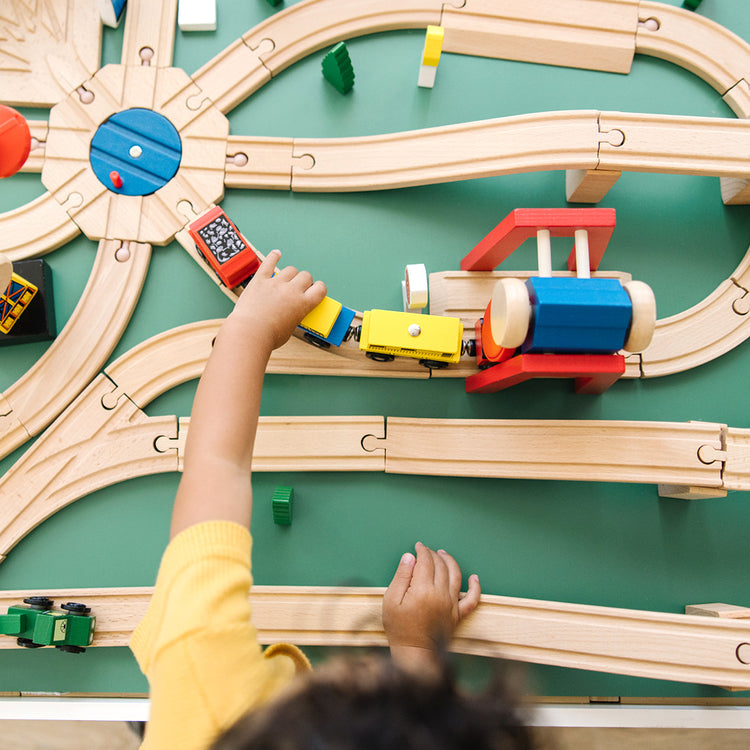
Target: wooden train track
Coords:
[(81, 348), (582, 142), (104, 437), (36, 229), (683, 648), (695, 43)]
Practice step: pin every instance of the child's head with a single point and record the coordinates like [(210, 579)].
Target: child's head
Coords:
[(370, 704)]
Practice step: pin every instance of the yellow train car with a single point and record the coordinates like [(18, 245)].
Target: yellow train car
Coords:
[(435, 340)]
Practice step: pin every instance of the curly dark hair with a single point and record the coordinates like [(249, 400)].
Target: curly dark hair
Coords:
[(369, 703)]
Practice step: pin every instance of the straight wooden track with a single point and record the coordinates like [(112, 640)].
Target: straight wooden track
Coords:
[(683, 648), (103, 438)]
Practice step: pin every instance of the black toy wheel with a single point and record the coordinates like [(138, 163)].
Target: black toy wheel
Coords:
[(380, 357), (75, 608), (39, 602), (433, 364), (71, 649), (27, 643), (315, 341)]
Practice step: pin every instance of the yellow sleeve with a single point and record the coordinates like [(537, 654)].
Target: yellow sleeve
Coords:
[(197, 645)]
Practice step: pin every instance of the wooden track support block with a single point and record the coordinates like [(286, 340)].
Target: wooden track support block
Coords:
[(589, 185), (725, 611), (523, 223), (690, 492), (735, 191), (736, 473)]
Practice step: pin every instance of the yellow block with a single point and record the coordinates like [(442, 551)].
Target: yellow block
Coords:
[(321, 319), (433, 45)]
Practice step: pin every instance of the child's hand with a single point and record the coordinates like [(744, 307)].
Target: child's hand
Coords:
[(276, 304), (423, 605)]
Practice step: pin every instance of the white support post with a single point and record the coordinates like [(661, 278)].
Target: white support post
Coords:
[(583, 268), (544, 252)]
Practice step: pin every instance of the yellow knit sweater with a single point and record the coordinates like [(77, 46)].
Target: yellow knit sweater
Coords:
[(196, 644)]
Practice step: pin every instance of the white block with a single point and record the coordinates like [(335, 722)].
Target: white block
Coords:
[(197, 15), (426, 76), (415, 287)]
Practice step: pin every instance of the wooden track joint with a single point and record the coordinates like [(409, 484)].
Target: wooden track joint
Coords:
[(176, 442), (741, 305), (372, 443)]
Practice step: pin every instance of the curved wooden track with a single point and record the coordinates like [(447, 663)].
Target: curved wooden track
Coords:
[(36, 229), (540, 142), (87, 448), (703, 332), (103, 438), (684, 648), (81, 348), (298, 31), (694, 42)]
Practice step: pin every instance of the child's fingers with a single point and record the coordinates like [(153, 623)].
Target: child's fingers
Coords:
[(454, 573), (303, 280), (287, 273), (468, 603), (316, 292), (268, 266), (402, 577), (424, 570), (442, 572)]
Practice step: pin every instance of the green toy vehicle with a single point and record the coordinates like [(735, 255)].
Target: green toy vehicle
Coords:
[(36, 624)]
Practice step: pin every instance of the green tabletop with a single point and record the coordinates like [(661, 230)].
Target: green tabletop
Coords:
[(616, 545)]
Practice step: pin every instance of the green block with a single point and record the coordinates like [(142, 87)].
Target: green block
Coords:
[(691, 4), (282, 505), (337, 68)]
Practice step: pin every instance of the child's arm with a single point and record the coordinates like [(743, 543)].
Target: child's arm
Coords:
[(215, 483), (423, 606)]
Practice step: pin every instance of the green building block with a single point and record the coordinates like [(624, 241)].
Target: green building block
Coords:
[(36, 624), (282, 505), (691, 4), (275, 2), (337, 68)]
